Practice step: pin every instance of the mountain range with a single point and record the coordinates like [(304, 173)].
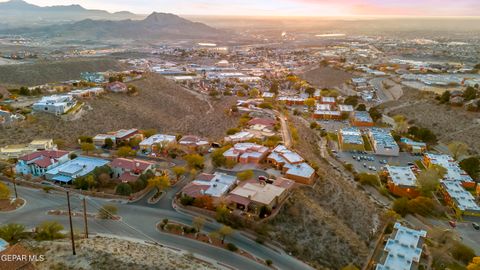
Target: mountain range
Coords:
[(16, 13), (76, 22)]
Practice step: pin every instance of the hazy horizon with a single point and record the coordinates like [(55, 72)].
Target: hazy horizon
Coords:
[(360, 9)]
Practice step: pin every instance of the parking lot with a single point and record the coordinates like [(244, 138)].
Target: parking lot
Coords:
[(368, 162), (333, 126)]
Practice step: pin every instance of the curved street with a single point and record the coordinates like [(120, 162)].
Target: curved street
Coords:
[(139, 221)]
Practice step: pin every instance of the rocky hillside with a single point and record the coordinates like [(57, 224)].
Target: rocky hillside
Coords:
[(329, 225), (160, 104)]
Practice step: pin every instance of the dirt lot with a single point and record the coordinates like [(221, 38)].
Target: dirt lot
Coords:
[(327, 77), (161, 104), (110, 253), (447, 122), (329, 225), (47, 72)]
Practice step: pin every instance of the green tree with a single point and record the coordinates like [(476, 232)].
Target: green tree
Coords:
[(49, 230), (428, 181), (254, 93), (445, 97), (108, 211), (400, 206), (462, 253), (458, 149), (12, 232), (178, 171), (274, 87), (469, 93), (310, 103), (471, 165), (225, 231), (221, 213), (368, 179), (195, 161), (310, 91), (125, 151), (361, 107), (159, 182), (124, 189), (108, 143), (4, 191), (218, 159), (475, 264), (375, 114), (87, 147), (198, 223), (351, 100), (245, 175), (232, 131)]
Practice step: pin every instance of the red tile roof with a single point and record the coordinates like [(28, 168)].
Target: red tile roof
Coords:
[(55, 154), (262, 121), (130, 164), (128, 177), (205, 177), (43, 162), (194, 190), (238, 199)]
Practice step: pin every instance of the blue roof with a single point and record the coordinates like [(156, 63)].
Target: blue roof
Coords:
[(3, 244), (62, 178)]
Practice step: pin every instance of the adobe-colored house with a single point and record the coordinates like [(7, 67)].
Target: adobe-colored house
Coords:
[(128, 170)]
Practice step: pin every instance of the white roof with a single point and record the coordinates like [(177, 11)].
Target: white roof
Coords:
[(345, 108), (454, 172), (402, 176), (323, 107), (219, 185), (403, 250), (158, 138), (463, 199)]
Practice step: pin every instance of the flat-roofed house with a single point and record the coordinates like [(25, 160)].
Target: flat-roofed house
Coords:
[(328, 100), (413, 146), (193, 142), (459, 199), (253, 194), (68, 171), (56, 104), (402, 181), (38, 163), (403, 251), (246, 153), (19, 150), (293, 165), (154, 142), (100, 139)]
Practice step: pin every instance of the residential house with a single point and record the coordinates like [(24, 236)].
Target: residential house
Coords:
[(241, 136), (157, 142), (402, 181), (68, 171), (18, 150), (462, 201), (351, 139), (267, 122), (454, 172), (362, 119), (194, 143), (117, 87), (87, 93), (56, 104), (253, 194), (94, 77), (129, 170), (100, 139), (246, 153), (383, 142), (328, 100), (403, 250), (37, 163), (292, 165), (215, 185), (125, 135)]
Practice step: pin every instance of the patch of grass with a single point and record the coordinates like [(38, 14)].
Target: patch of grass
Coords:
[(420, 165), (366, 143)]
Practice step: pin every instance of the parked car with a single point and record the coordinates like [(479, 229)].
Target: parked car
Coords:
[(452, 223), (262, 178), (476, 226)]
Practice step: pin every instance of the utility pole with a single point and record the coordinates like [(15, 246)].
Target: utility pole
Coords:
[(85, 217), (71, 226), (14, 182)]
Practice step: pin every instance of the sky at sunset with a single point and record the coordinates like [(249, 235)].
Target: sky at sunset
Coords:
[(284, 7)]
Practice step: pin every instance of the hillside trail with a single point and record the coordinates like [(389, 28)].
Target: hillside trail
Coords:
[(202, 97)]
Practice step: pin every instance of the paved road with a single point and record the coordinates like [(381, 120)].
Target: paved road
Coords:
[(287, 139), (138, 221)]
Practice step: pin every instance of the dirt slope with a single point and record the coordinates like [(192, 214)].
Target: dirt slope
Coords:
[(161, 104)]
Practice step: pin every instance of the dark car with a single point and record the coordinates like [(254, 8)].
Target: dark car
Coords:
[(262, 178), (476, 226)]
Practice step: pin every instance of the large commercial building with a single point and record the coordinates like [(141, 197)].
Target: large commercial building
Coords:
[(459, 199), (351, 139), (383, 143), (402, 181)]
